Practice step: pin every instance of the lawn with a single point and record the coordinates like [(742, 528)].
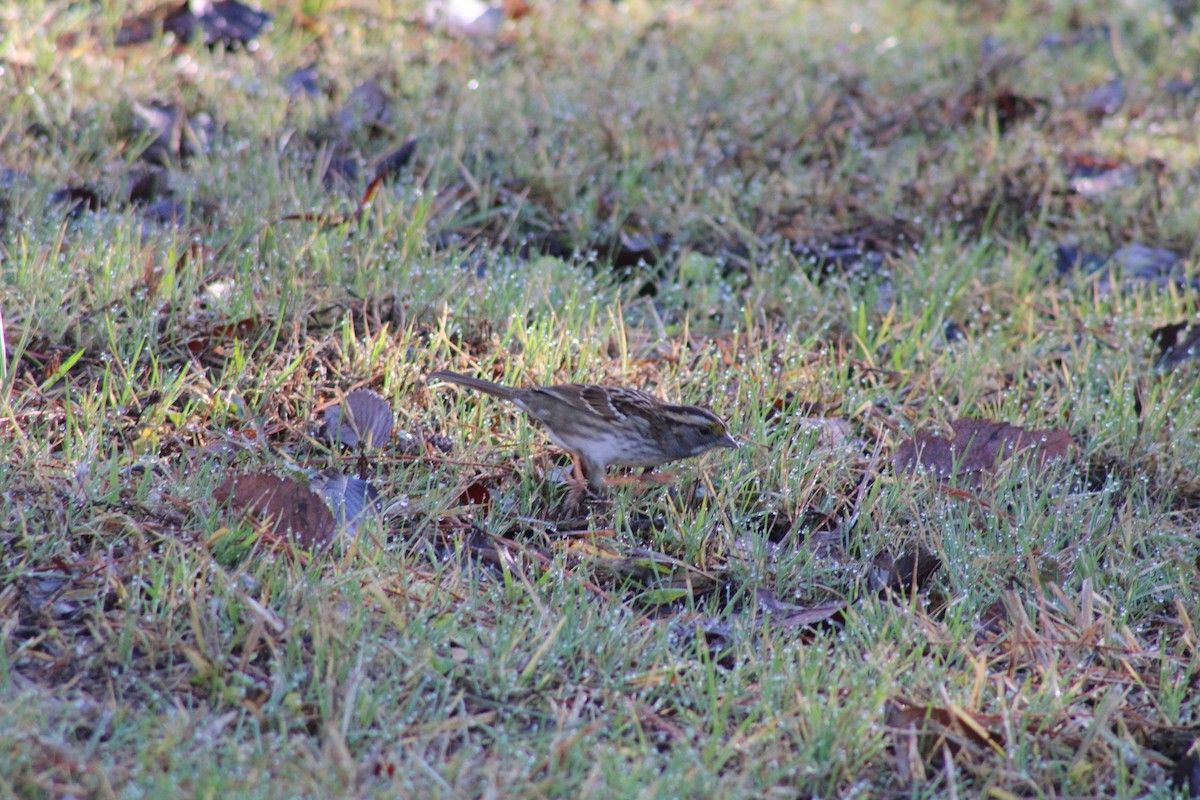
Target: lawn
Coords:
[(934, 263)]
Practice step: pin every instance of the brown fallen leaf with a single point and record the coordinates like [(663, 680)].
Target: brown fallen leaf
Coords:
[(947, 729), (979, 445), (826, 616), (476, 494), (903, 575), (806, 619), (285, 504)]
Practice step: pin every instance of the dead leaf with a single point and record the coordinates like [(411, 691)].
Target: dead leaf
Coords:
[(170, 212), (347, 169), (992, 622), (350, 498), (831, 615), (173, 136), (1142, 265), (1105, 100), (367, 109), (905, 575), (979, 445), (220, 336), (388, 167), (225, 22), (363, 418), (951, 726), (1185, 777), (303, 81), (1069, 258), (283, 504), (1177, 342), (823, 616), (147, 184), (1011, 108), (476, 494), (78, 199)]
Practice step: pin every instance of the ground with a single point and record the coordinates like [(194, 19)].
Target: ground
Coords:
[(933, 262)]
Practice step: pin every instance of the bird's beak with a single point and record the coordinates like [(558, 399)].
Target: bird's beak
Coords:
[(730, 442)]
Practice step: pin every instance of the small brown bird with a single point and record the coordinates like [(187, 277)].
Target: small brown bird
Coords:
[(605, 425)]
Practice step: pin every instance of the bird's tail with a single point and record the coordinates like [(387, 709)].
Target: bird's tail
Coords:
[(478, 384)]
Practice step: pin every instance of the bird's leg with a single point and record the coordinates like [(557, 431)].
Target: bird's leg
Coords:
[(579, 473), (578, 484), (589, 481)]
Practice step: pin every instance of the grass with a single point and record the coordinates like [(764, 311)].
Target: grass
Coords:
[(821, 220)]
